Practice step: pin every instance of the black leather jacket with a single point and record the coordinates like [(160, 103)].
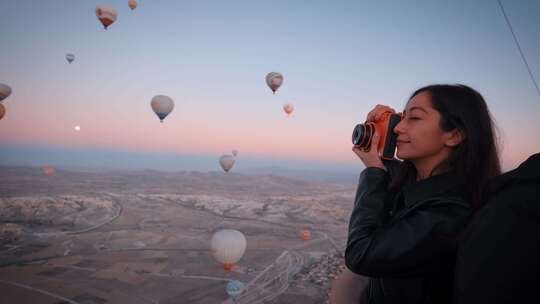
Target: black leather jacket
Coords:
[(499, 256), (406, 242)]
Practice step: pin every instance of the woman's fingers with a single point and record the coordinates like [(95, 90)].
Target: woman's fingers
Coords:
[(371, 115), (375, 114), (374, 143), (358, 151), (370, 157)]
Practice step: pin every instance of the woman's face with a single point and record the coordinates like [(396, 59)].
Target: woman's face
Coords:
[(420, 137)]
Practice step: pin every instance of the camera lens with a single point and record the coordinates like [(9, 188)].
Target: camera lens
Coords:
[(357, 133), (362, 134)]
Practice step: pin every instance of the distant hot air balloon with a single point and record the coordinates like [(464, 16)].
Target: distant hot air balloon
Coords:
[(228, 247), (274, 81), (227, 162), (234, 288), (305, 235), (106, 14), (2, 111), (234, 152), (132, 4), (70, 58), (162, 106), (5, 91), (48, 170), (288, 108)]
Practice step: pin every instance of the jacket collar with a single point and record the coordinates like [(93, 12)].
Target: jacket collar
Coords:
[(430, 187)]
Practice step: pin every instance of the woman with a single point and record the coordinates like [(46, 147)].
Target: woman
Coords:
[(407, 215)]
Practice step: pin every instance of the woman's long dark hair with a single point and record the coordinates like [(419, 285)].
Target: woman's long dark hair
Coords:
[(475, 160)]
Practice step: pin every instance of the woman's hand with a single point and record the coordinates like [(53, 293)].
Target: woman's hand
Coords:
[(375, 114), (370, 158)]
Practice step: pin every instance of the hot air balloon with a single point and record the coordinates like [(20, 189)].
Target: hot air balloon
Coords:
[(288, 108), (2, 111), (70, 58), (162, 106), (48, 170), (226, 162), (234, 152), (274, 81), (106, 14), (234, 288), (132, 4), (5, 91), (305, 235), (228, 247)]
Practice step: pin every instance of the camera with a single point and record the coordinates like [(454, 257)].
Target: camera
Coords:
[(384, 125)]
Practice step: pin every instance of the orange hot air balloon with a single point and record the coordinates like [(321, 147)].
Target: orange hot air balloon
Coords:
[(132, 4), (288, 108), (2, 111), (106, 14), (48, 170), (305, 235)]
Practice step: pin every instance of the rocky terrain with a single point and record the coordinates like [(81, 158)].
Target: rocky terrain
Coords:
[(143, 236)]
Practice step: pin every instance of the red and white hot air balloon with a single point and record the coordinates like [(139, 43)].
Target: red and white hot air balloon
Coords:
[(106, 14)]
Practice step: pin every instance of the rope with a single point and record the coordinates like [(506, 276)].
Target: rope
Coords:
[(519, 47)]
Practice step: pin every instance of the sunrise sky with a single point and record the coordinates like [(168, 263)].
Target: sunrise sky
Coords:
[(338, 58)]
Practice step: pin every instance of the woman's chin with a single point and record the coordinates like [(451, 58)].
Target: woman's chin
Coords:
[(402, 155)]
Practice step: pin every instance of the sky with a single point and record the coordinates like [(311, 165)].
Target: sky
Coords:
[(339, 59)]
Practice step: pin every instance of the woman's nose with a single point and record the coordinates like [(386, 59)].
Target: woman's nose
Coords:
[(398, 129)]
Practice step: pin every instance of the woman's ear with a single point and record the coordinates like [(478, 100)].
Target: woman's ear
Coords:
[(455, 137)]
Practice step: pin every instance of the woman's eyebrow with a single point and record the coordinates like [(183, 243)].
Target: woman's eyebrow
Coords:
[(417, 108)]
